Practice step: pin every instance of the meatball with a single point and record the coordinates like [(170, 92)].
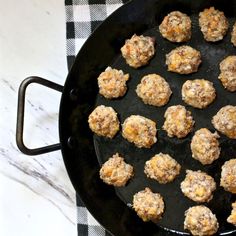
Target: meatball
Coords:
[(112, 83), (148, 205), (115, 171), (104, 122), (205, 146), (154, 90), (162, 167), (233, 35), (183, 60), (213, 24), (198, 186), (139, 130), (198, 93), (178, 121), (228, 176), (228, 73), (200, 220), (232, 218), (138, 50), (225, 121), (176, 27)]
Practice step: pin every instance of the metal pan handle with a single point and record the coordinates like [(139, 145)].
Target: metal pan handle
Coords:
[(20, 116)]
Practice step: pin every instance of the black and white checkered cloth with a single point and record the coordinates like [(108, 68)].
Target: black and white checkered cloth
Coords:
[(82, 17)]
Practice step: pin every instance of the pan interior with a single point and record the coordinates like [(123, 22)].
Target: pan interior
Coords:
[(175, 202)]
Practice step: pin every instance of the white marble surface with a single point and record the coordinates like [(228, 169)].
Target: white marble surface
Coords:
[(36, 196)]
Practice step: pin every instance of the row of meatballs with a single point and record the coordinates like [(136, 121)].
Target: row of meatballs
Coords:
[(176, 27), (197, 186), (154, 89), (178, 122)]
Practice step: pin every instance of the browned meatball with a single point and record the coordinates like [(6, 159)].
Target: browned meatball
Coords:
[(233, 35), (213, 23), (178, 121), (154, 90), (112, 83), (104, 121), (162, 167), (225, 121), (198, 186), (148, 205), (115, 171), (228, 176), (200, 221), (198, 93), (139, 130), (176, 27), (138, 50), (183, 60), (232, 218), (205, 146), (228, 73)]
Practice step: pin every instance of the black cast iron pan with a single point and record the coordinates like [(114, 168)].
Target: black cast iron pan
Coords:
[(84, 152)]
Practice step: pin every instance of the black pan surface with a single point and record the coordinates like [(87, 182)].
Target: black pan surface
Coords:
[(82, 149)]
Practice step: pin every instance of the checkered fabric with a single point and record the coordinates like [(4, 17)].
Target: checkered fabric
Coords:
[(82, 17), (86, 224)]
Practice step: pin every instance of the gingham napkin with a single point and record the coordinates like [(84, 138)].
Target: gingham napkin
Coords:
[(82, 17)]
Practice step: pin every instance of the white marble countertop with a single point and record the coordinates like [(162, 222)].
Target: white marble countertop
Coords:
[(36, 196)]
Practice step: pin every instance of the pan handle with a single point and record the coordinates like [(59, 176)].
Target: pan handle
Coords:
[(20, 116)]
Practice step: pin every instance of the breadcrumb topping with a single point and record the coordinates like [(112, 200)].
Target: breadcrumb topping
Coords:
[(176, 27), (104, 121), (115, 171), (213, 24), (148, 205), (138, 50), (154, 90), (139, 130), (183, 60)]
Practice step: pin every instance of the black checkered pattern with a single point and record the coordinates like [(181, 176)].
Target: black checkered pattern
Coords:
[(82, 17)]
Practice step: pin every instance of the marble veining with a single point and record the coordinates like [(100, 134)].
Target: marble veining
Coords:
[(36, 195)]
